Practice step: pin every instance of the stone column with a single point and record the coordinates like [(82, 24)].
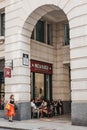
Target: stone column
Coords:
[(78, 55), (16, 45)]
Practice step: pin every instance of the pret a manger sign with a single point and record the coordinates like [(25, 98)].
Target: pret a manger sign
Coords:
[(41, 67)]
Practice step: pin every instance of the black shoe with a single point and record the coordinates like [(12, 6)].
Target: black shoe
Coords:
[(10, 120)]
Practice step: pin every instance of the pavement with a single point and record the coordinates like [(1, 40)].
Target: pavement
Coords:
[(55, 123)]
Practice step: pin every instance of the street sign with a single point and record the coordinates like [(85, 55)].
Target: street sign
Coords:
[(25, 59)]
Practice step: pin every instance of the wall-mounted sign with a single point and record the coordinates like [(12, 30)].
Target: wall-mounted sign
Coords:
[(25, 59), (41, 67), (7, 72)]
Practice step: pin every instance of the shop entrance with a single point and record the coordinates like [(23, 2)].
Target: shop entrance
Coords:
[(41, 80), (41, 86)]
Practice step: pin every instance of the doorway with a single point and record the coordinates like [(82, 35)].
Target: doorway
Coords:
[(41, 86)]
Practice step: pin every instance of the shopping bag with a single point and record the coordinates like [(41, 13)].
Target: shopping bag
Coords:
[(7, 107)]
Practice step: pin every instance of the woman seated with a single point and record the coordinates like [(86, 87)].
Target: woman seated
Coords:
[(43, 108)]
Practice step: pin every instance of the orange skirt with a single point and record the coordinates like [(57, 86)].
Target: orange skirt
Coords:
[(11, 112)]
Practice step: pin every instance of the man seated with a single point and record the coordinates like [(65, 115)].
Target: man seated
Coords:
[(38, 102), (34, 109)]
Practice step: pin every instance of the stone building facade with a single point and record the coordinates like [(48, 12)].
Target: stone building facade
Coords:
[(20, 45)]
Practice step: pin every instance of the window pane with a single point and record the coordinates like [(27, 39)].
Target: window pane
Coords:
[(67, 37), (48, 34), (2, 24), (40, 31), (39, 85)]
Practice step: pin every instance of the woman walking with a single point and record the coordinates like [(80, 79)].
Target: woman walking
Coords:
[(11, 111)]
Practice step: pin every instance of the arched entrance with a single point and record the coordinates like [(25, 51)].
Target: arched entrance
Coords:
[(48, 32)]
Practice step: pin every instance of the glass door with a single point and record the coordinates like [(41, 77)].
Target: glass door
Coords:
[(41, 86)]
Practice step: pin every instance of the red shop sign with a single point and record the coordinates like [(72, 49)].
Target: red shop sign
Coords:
[(41, 67), (7, 72)]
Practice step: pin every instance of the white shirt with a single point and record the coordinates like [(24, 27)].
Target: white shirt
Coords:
[(33, 105)]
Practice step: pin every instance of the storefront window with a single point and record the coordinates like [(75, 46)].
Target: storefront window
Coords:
[(41, 80), (39, 85)]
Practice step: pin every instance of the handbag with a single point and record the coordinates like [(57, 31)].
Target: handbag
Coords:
[(15, 107), (7, 107)]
